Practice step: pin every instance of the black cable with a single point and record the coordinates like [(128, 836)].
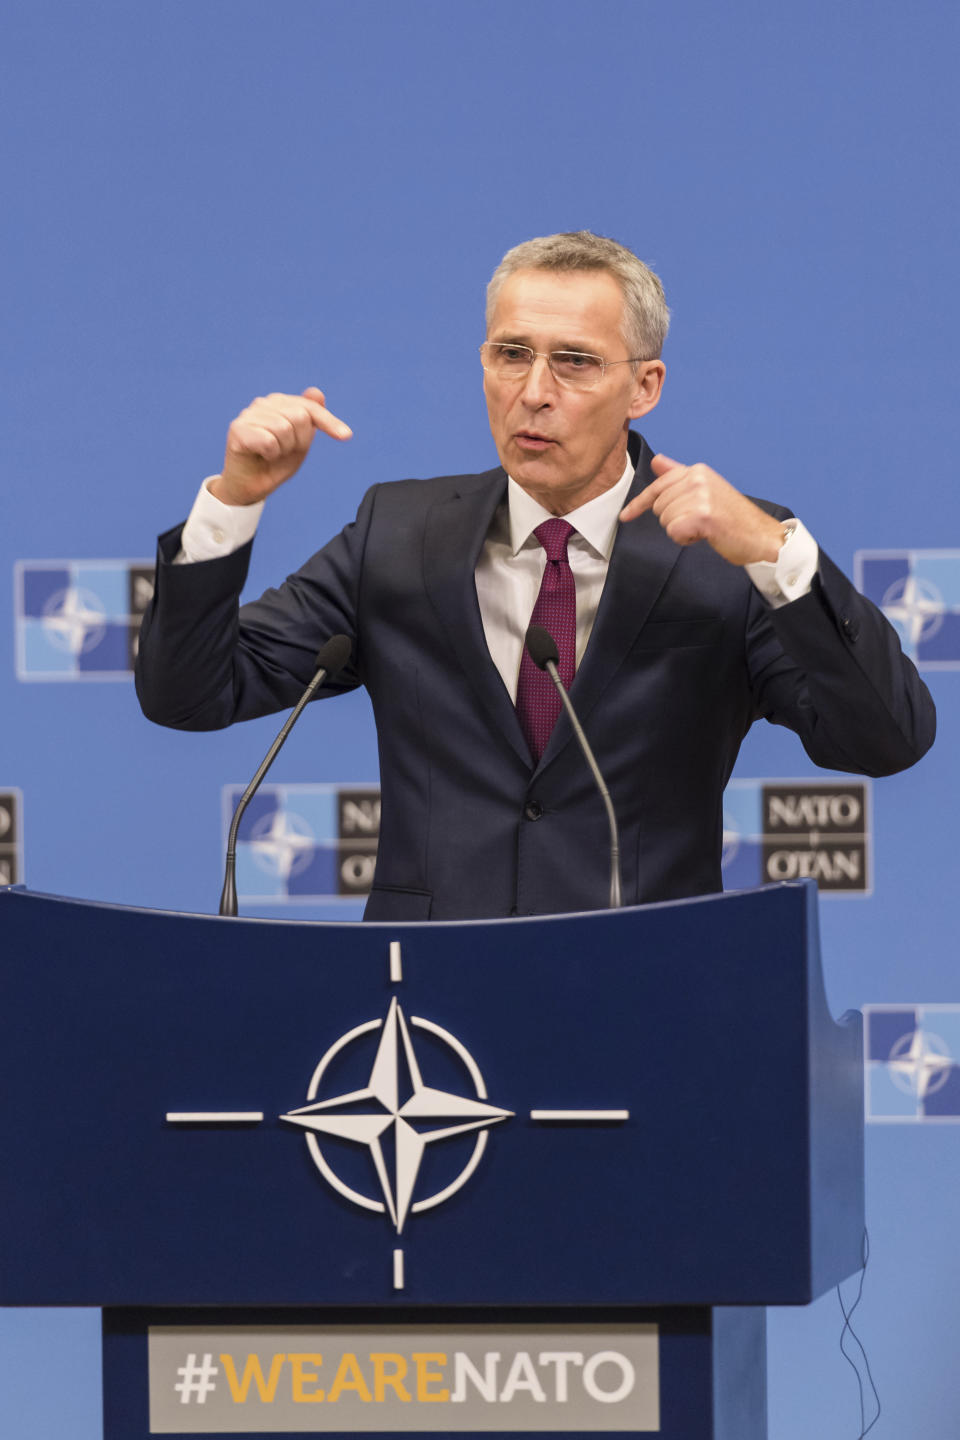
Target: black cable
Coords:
[(847, 1316)]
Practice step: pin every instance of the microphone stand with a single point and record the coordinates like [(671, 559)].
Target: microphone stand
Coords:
[(543, 652), (330, 661)]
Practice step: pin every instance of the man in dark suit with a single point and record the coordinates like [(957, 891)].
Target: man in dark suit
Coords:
[(683, 611)]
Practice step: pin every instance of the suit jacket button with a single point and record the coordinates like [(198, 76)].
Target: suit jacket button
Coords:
[(532, 810)]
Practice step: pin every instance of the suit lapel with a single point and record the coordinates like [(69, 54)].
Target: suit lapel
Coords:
[(642, 559), (455, 531)]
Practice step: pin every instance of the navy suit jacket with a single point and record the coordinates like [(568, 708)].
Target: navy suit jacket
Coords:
[(683, 657)]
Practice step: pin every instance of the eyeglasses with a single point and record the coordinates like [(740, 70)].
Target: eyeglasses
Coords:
[(572, 368)]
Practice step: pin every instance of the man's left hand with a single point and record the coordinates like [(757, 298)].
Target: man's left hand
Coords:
[(693, 502)]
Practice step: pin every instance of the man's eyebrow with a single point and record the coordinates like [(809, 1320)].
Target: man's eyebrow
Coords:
[(579, 347)]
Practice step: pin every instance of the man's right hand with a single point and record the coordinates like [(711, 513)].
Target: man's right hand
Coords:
[(268, 442)]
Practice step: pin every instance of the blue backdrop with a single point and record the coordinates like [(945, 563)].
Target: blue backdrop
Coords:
[(204, 201)]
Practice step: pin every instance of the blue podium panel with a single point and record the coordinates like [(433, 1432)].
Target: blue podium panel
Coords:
[(631, 1108)]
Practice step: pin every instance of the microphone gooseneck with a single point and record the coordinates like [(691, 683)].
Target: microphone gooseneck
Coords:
[(330, 660), (542, 649)]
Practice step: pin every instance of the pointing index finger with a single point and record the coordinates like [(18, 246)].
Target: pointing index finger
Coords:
[(660, 464), (666, 471), (324, 419), (639, 503)]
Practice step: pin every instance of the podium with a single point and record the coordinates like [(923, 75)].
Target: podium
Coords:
[(530, 1175)]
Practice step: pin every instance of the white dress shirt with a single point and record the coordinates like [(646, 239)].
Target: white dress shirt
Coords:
[(512, 561)]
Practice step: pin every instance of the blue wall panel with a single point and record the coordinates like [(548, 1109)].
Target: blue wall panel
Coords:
[(206, 201)]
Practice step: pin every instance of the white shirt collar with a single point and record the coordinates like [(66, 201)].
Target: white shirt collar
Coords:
[(596, 521)]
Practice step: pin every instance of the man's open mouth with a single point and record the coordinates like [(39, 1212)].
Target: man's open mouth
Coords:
[(531, 440)]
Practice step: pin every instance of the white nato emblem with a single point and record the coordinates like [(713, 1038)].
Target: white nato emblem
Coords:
[(395, 1097), (915, 606), (74, 620), (282, 844), (396, 1109), (731, 841), (920, 1063)]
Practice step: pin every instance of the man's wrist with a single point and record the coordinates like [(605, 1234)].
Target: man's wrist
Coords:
[(790, 576), (220, 490), (214, 528), (771, 542)]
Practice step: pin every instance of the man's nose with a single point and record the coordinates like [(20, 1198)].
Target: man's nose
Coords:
[(539, 387)]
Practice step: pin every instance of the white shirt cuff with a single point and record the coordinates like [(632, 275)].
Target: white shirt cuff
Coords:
[(790, 576), (214, 530)]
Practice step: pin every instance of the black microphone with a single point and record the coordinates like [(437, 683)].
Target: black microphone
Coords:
[(330, 660), (542, 649)]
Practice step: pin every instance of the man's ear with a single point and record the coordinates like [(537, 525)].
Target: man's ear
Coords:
[(647, 389)]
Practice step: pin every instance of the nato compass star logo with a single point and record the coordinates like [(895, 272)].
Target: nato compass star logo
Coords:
[(920, 1064), (74, 620), (919, 592), (305, 843), (914, 607), (282, 844), (79, 619), (397, 1115), (397, 1100), (911, 1070), (731, 841)]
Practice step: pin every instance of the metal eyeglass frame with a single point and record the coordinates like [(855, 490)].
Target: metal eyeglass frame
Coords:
[(548, 355)]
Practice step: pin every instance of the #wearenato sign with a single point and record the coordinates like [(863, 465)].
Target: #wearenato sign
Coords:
[(435, 1379)]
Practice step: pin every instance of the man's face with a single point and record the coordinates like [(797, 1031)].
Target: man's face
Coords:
[(565, 446)]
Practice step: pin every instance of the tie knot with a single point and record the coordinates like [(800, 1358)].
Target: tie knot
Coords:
[(553, 536)]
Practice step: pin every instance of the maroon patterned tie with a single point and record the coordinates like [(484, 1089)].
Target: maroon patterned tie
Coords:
[(538, 703)]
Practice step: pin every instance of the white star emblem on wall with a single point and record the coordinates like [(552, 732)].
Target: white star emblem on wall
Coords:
[(920, 1064), (74, 620)]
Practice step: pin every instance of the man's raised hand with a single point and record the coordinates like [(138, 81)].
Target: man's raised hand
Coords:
[(693, 502), (268, 442)]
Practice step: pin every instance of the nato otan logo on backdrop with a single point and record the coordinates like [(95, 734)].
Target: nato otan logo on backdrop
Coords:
[(797, 830), (912, 1060), (79, 619), (305, 843), (919, 592), (11, 837), (309, 843)]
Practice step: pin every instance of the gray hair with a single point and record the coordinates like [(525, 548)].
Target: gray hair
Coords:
[(646, 317)]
